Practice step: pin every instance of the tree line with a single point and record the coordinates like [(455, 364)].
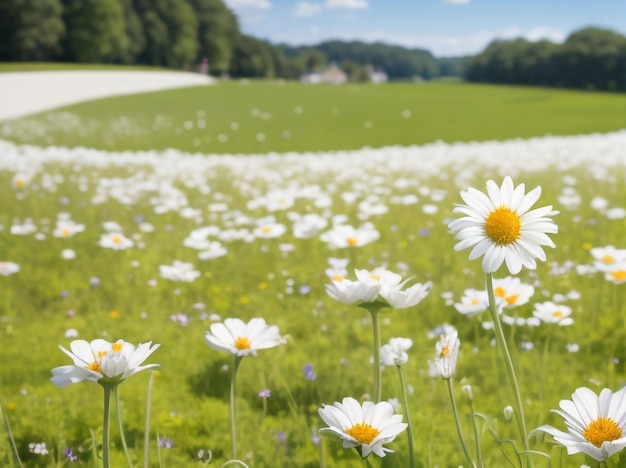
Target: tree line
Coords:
[(181, 33), (590, 58)]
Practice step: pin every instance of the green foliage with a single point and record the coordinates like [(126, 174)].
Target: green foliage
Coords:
[(252, 58), (170, 29), (217, 32), (356, 72), (30, 29), (96, 31), (590, 58)]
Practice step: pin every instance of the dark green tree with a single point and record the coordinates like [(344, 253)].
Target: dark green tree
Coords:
[(170, 30), (96, 31), (252, 58), (590, 58), (593, 58), (312, 60), (356, 72), (217, 32), (134, 31), (30, 29)]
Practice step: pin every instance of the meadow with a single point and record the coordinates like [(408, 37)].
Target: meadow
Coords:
[(69, 286), (250, 117)]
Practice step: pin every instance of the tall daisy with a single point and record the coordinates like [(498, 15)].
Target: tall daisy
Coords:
[(500, 227), (108, 364), (241, 339), (367, 427), (596, 424)]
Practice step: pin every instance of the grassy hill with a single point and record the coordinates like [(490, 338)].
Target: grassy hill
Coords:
[(265, 116)]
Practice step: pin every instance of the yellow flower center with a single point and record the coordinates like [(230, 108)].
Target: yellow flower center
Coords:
[(557, 314), (65, 232), (608, 259), (363, 433), (619, 275), (512, 299), (117, 347), (242, 343), (117, 239), (375, 277), (20, 183), (338, 278), (266, 229), (352, 241), (503, 226), (444, 351), (602, 430), (475, 301), (94, 366), (499, 292)]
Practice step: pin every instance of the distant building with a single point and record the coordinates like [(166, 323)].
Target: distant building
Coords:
[(311, 78), (376, 75), (332, 75)]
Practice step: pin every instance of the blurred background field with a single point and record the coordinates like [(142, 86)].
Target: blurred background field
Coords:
[(249, 116)]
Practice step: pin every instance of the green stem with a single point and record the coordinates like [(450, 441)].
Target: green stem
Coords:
[(106, 424), (233, 432), (508, 363), (458, 423), (374, 308), (364, 461), (11, 439), (479, 452), (146, 437), (119, 420), (377, 382), (407, 413)]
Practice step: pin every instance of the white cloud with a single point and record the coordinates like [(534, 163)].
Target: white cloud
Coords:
[(347, 4), (246, 4), (305, 9)]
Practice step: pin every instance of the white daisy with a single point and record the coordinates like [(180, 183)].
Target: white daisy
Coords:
[(115, 241), (617, 276), (101, 360), (511, 292), (243, 339), (549, 312), (179, 271), (447, 354), (394, 352), (473, 302), (8, 268), (500, 227), (368, 426), (595, 424)]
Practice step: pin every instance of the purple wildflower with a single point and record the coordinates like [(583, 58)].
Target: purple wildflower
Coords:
[(308, 372)]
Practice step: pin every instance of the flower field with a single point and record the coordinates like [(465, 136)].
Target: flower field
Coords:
[(164, 247)]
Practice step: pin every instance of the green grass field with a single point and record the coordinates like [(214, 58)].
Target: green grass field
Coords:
[(53, 66), (282, 279), (263, 116)]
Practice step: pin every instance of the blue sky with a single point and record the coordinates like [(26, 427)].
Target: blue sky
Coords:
[(445, 27)]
